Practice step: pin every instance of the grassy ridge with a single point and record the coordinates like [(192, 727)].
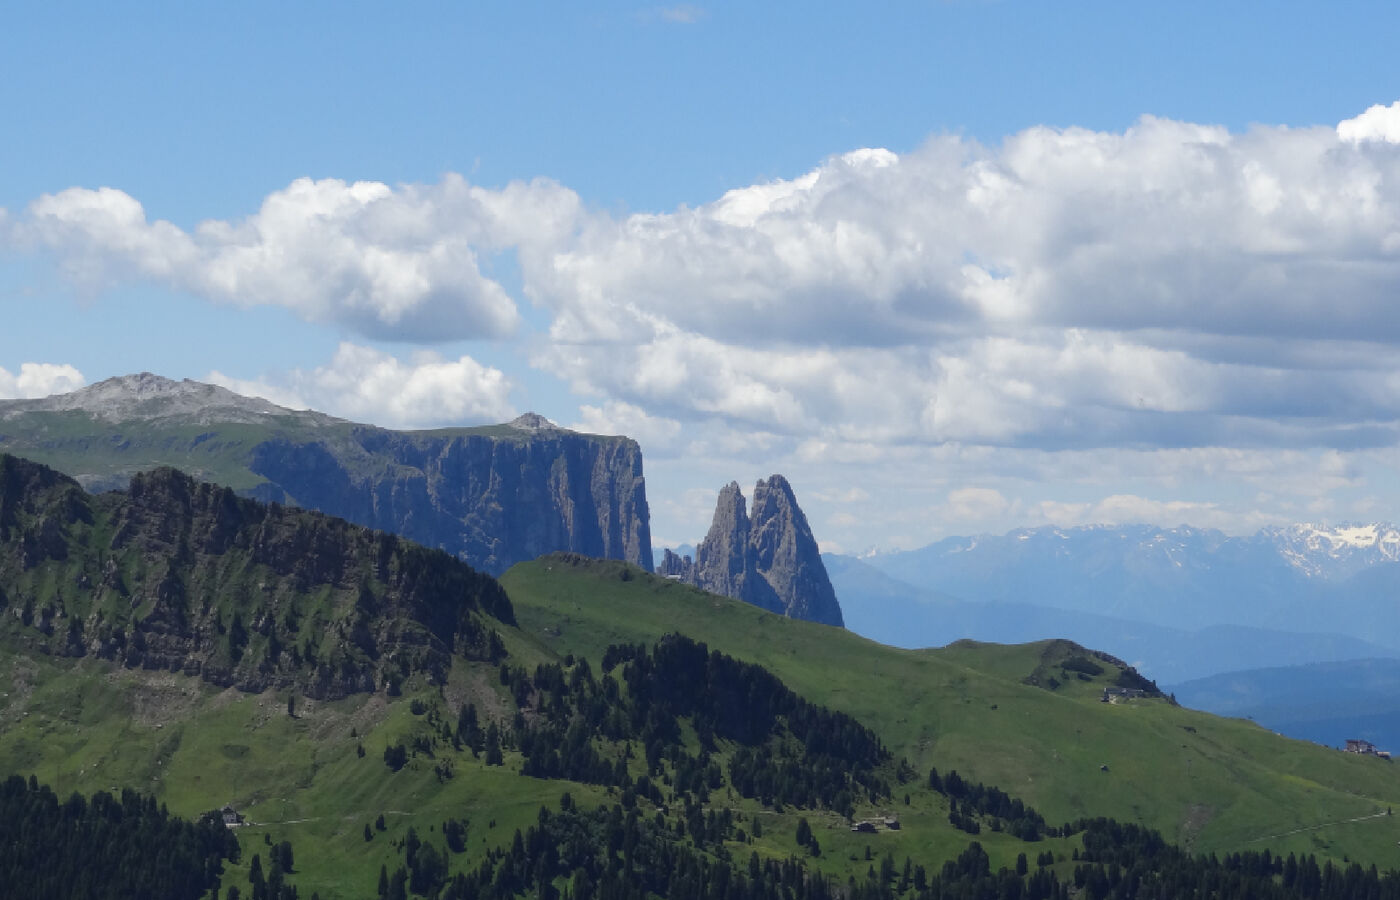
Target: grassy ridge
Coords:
[(106, 454), (91, 726), (1208, 783), (1215, 784)]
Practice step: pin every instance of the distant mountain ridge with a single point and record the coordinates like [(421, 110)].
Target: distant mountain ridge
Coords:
[(1326, 702), (492, 496), (1337, 551), (1317, 550), (147, 397), (885, 609), (1301, 578)]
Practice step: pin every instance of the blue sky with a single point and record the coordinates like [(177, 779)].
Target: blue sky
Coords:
[(952, 267)]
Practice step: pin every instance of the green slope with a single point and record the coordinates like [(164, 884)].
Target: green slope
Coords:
[(89, 726), (1214, 784), (1208, 783)]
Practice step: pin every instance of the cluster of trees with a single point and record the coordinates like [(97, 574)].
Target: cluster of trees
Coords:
[(612, 853), (619, 853), (968, 800), (105, 846), (1122, 861), (273, 885), (572, 724)]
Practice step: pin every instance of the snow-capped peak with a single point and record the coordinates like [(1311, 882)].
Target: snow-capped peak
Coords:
[(1337, 550)]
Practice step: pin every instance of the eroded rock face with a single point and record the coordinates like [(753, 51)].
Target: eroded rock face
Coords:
[(491, 496), (491, 501), (769, 559)]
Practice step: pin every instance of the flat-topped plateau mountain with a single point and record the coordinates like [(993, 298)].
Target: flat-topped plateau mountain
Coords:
[(492, 496)]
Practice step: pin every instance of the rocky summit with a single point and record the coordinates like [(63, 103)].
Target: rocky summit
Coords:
[(769, 558), (491, 496)]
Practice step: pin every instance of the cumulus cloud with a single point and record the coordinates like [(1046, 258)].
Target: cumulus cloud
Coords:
[(1168, 225), (367, 385), (1069, 288), (1127, 509), (39, 380), (400, 262), (1147, 302), (1379, 123), (658, 434), (976, 504)]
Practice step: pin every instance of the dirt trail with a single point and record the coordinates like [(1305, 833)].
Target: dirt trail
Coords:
[(1270, 837)]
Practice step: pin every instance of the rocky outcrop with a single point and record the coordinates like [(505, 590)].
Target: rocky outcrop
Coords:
[(491, 499), (769, 559), (491, 496), (184, 576)]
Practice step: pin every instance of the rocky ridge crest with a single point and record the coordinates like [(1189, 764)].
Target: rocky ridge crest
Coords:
[(178, 575), (769, 558), (491, 496)]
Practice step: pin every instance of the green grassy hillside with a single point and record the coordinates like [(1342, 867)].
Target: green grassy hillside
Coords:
[(318, 776), (1208, 783), (90, 726)]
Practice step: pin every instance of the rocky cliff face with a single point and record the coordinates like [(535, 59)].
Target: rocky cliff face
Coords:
[(492, 500), (491, 496), (769, 559), (183, 576)]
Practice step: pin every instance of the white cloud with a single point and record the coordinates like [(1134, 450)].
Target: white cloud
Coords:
[(1068, 288), (1168, 225), (400, 262), (1128, 509), (1378, 123), (39, 380), (367, 385), (975, 504), (1126, 313), (657, 434)]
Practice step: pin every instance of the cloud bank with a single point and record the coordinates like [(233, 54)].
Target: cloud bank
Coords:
[(368, 385), (39, 380), (1173, 288), (401, 263)]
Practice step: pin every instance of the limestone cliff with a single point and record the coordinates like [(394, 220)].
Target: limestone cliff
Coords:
[(769, 559), (491, 496)]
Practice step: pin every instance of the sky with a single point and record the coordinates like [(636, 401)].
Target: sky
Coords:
[(951, 267)]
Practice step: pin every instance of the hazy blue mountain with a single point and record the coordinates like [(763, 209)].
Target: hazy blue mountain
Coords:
[(883, 608), (1301, 578), (1324, 702)]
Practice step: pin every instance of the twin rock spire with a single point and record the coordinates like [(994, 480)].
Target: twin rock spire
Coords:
[(770, 559)]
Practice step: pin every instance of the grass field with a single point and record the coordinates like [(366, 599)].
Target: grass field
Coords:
[(1208, 783), (1213, 784)]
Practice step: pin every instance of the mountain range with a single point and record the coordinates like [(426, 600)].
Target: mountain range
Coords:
[(390, 709), (1325, 702), (1201, 611), (1300, 578), (492, 496)]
